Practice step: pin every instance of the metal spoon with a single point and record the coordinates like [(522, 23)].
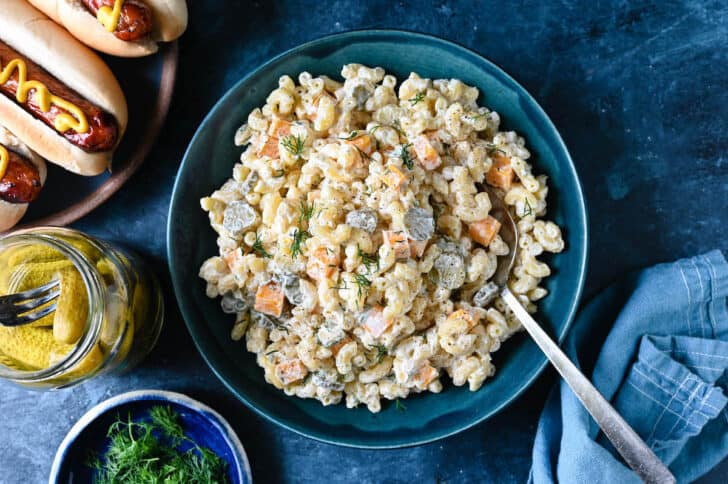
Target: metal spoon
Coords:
[(629, 445)]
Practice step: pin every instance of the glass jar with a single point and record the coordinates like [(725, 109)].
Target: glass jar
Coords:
[(108, 315)]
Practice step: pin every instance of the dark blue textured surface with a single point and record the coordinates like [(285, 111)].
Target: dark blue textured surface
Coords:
[(637, 89)]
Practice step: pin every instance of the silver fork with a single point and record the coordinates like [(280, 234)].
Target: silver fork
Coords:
[(29, 306), (629, 445)]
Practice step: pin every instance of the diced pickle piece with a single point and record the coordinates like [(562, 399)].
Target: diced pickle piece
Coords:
[(360, 94), (242, 135), (231, 304), (249, 182), (420, 224), (328, 379), (449, 270), (450, 247), (485, 295), (262, 320), (237, 217), (364, 219), (291, 284), (329, 334)]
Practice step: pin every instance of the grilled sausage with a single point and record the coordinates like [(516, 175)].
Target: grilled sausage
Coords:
[(21, 182), (135, 21), (103, 129)]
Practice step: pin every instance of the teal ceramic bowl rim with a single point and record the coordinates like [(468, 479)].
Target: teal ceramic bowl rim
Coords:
[(198, 334)]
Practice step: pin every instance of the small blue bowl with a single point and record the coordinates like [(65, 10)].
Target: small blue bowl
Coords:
[(201, 423), (209, 161)]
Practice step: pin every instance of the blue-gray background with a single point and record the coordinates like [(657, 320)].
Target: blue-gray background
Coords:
[(639, 91)]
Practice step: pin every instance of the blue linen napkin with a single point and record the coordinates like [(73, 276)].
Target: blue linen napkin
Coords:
[(663, 364)]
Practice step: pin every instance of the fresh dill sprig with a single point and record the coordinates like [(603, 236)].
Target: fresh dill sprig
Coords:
[(367, 259), (362, 156), (407, 156), (398, 128), (167, 420), (342, 287), (381, 352), (305, 211), (362, 282), (474, 117), (492, 149), (353, 135), (259, 249), (294, 144), (299, 237), (527, 210), (152, 451), (399, 405), (418, 97)]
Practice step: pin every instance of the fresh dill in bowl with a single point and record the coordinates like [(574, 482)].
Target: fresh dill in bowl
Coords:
[(156, 450)]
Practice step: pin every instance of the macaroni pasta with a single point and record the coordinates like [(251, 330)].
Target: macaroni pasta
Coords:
[(356, 246)]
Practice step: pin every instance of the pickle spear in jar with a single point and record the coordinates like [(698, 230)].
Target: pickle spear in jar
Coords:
[(107, 315), (38, 344)]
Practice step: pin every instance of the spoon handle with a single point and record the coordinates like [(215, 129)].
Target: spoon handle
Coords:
[(629, 445)]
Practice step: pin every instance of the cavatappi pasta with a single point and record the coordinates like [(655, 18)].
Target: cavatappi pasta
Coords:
[(355, 245)]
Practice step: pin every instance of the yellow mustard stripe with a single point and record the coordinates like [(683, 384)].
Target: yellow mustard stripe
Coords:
[(110, 18), (76, 120), (4, 160)]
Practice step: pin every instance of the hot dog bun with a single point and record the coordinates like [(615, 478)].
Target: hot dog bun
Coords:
[(41, 40), (169, 19), (11, 213)]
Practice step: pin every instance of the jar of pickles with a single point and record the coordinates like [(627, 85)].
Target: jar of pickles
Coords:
[(107, 316)]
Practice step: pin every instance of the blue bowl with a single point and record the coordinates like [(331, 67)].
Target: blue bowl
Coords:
[(202, 424), (209, 161)]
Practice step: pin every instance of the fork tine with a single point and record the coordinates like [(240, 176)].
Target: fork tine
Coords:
[(29, 294), (36, 303), (30, 317)]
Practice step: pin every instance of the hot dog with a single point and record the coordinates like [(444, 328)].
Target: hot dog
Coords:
[(135, 18), (22, 175), (21, 180), (126, 28), (103, 131), (56, 95)]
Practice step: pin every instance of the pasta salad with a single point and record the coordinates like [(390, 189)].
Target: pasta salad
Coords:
[(356, 248)]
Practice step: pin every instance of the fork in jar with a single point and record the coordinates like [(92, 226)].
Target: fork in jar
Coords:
[(29, 306)]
